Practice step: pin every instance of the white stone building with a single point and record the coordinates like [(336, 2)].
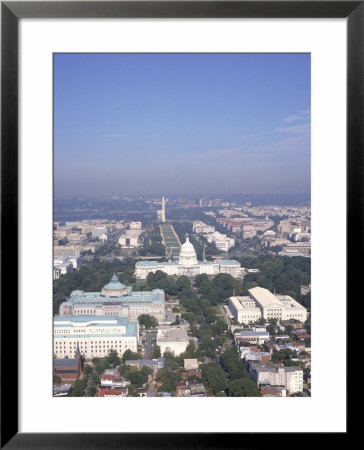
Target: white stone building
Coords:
[(200, 227), (244, 309), (116, 299), (93, 336), (188, 265), (263, 304), (65, 264), (172, 339), (136, 225), (278, 375), (130, 238), (220, 241), (99, 231)]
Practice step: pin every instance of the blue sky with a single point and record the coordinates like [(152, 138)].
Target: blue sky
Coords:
[(181, 123)]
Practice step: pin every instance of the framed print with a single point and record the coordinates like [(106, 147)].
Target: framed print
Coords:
[(172, 111)]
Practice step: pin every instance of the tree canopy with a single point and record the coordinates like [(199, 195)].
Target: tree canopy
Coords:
[(148, 321), (214, 377), (243, 387)]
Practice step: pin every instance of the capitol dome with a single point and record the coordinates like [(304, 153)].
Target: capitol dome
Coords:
[(187, 255)]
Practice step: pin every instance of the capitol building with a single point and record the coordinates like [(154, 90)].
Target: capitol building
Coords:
[(187, 264)]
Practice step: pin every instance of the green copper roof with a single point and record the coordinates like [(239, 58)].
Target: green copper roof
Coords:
[(115, 284)]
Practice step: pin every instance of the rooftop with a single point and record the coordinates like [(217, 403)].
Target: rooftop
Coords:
[(172, 334), (65, 362), (78, 297), (243, 303), (115, 284), (89, 321), (264, 297), (273, 367)]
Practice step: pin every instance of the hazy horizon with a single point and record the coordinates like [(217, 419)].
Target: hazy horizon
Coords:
[(181, 124)]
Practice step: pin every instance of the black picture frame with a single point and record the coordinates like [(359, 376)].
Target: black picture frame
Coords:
[(11, 12)]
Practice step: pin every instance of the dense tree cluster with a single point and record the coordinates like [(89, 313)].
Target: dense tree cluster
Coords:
[(283, 355), (152, 245), (169, 380), (128, 355), (214, 377), (148, 321), (243, 387), (283, 274), (79, 388), (240, 385), (218, 289), (136, 377), (56, 379), (156, 352), (91, 277)]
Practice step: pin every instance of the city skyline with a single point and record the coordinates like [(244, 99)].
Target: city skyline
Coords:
[(191, 123)]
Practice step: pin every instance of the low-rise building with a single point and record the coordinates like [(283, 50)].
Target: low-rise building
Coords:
[(130, 238), (155, 364), (301, 333), (172, 339), (62, 268), (246, 335), (99, 231), (64, 390), (65, 264), (190, 364), (249, 355), (112, 392), (272, 391), (221, 241), (67, 368), (111, 379), (291, 378), (187, 389), (200, 227)]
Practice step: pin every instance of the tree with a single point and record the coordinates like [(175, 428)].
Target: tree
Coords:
[(271, 328), (92, 391), (129, 355), (79, 388), (156, 352), (146, 370), (113, 358), (210, 314), (56, 379), (306, 300), (243, 387), (87, 369), (176, 321), (214, 377), (169, 380), (101, 364), (95, 378), (219, 327), (233, 364), (183, 283), (137, 378), (148, 321)]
